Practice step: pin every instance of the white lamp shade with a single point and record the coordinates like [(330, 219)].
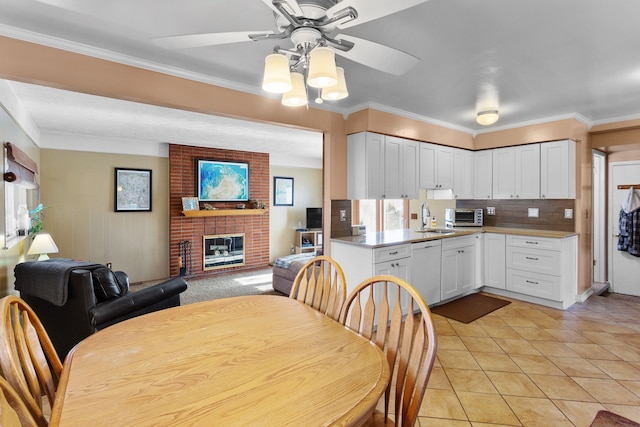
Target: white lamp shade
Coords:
[(322, 68), (339, 90), (488, 117), (297, 96), (276, 74), (42, 245)]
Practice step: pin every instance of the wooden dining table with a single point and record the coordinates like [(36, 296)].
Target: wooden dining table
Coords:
[(244, 361)]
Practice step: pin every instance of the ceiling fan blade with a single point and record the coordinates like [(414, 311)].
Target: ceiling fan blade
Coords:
[(375, 55), (205, 39), (368, 10), (291, 5)]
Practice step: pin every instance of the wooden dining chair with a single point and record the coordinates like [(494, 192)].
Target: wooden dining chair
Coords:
[(393, 315), (28, 359), (320, 284), (13, 410)]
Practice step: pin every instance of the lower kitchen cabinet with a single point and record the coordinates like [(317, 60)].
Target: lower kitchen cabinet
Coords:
[(425, 269), (458, 273)]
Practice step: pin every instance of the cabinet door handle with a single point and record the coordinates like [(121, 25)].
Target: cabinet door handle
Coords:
[(532, 282), (532, 258), (531, 243), (393, 253)]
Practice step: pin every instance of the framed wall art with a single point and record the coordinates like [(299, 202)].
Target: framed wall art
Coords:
[(222, 181), (132, 190), (282, 191)]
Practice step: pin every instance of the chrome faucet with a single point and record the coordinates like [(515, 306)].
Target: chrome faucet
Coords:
[(425, 216)]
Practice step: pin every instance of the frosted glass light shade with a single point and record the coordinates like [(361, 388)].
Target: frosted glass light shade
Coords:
[(322, 68), (276, 74), (297, 96), (488, 117), (339, 90), (42, 245)]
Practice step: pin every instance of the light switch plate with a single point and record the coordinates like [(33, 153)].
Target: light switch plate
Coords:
[(491, 210), (568, 213), (533, 212)]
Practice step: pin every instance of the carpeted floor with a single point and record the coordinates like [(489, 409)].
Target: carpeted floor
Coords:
[(223, 286)]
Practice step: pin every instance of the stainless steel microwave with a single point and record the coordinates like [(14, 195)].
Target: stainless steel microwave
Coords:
[(465, 217)]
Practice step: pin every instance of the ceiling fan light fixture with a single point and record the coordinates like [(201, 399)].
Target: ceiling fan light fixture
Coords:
[(339, 90), (297, 96), (277, 78), (487, 117), (322, 68)]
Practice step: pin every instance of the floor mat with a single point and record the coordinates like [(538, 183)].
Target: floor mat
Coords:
[(469, 308), (609, 419)]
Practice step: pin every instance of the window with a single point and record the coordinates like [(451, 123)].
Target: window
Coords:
[(381, 215)]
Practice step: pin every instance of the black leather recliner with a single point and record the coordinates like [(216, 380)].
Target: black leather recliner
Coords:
[(96, 298)]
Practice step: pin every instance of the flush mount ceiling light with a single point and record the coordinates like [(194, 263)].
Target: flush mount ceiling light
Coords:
[(487, 117)]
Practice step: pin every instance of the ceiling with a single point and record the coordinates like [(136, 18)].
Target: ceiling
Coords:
[(536, 60)]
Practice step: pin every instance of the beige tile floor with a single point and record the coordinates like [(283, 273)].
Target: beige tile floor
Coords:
[(529, 365)]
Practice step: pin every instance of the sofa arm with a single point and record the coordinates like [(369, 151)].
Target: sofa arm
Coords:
[(122, 308)]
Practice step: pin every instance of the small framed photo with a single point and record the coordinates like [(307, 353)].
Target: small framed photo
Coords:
[(282, 191), (132, 190), (190, 204)]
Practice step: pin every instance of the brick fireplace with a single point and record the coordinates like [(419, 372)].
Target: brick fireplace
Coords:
[(255, 228)]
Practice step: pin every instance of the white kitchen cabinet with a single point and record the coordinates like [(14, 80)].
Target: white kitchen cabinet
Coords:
[(516, 172), (504, 171), (365, 166), (458, 266), (482, 174), (527, 171), (462, 174), (380, 167), (544, 269), (436, 166), (425, 269), (558, 170), (494, 260)]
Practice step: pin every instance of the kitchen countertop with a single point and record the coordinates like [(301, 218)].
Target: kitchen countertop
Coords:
[(398, 237)]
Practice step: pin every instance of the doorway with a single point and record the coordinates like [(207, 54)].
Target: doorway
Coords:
[(599, 209)]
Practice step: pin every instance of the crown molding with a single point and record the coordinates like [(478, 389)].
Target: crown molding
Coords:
[(576, 116), (10, 103)]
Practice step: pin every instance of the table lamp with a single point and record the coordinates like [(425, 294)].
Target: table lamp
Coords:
[(43, 244)]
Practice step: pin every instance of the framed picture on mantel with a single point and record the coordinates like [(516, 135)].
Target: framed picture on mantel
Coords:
[(132, 190)]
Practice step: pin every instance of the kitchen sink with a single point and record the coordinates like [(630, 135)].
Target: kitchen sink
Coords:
[(435, 231)]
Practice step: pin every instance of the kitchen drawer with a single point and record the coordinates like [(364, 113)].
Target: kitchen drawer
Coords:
[(537, 261), (390, 253), (534, 284), (534, 242), (458, 242)]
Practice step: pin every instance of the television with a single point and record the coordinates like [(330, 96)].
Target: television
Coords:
[(314, 218), (222, 181)]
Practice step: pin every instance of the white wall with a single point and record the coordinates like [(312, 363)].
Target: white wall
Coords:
[(283, 220)]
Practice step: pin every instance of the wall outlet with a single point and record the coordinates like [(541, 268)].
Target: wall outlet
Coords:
[(491, 210), (568, 213), (533, 212), (343, 214), (293, 250)]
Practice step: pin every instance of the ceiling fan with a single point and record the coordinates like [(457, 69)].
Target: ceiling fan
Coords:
[(311, 23)]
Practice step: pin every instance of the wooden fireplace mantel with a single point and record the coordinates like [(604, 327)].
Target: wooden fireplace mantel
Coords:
[(224, 212)]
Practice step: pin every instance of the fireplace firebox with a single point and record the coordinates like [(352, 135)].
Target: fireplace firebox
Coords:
[(223, 251)]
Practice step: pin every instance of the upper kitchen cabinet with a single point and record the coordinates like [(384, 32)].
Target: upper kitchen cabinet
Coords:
[(381, 167), (462, 174), (516, 172), (558, 170), (436, 167), (365, 166), (482, 174)]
